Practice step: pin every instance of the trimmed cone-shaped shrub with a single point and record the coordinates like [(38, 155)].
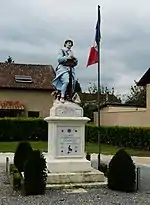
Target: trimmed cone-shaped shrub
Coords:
[(22, 153), (121, 174), (35, 174)]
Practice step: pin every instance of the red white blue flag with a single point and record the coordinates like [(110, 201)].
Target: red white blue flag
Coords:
[(93, 55)]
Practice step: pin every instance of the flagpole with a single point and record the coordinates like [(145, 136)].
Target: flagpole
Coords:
[(99, 150)]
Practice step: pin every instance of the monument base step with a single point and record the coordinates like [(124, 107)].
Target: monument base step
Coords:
[(69, 165), (93, 176), (77, 185)]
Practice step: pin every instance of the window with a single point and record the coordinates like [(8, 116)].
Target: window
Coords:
[(23, 79), (11, 113), (33, 113)]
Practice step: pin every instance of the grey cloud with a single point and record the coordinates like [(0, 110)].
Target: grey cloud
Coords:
[(33, 31)]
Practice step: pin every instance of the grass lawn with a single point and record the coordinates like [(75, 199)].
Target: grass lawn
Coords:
[(91, 148)]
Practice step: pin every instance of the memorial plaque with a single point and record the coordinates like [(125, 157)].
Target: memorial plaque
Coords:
[(68, 141), (68, 112)]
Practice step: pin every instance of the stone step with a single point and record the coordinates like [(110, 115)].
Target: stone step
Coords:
[(77, 185), (76, 177)]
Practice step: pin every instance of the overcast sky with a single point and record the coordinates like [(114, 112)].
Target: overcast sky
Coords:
[(33, 31)]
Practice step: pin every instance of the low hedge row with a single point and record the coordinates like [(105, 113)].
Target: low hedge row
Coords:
[(17, 129), (32, 129), (133, 137)]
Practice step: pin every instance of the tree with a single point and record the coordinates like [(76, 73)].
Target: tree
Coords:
[(137, 95), (106, 94), (103, 90), (9, 60), (92, 88), (89, 101)]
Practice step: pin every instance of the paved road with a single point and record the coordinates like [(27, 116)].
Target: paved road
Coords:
[(144, 178)]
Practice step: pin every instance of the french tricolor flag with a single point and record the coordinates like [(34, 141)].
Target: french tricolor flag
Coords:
[(93, 55)]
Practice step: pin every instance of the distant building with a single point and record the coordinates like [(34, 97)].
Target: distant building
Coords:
[(25, 89), (115, 114), (104, 98)]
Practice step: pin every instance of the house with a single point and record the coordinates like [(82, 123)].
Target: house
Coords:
[(25, 89), (116, 114), (89, 102), (92, 97)]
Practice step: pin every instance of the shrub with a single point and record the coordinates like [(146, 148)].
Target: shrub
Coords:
[(104, 168), (121, 174), (23, 129), (17, 181), (132, 137), (12, 169), (15, 177), (35, 175), (22, 153), (33, 129), (88, 156)]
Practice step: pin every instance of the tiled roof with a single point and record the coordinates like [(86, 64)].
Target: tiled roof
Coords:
[(11, 105), (41, 76), (145, 79)]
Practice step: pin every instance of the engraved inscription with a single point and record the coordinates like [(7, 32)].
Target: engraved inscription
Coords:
[(68, 112), (68, 141)]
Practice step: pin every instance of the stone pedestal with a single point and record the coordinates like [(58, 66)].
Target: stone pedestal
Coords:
[(66, 143)]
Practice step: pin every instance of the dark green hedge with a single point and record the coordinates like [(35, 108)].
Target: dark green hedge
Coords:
[(17, 129), (134, 137)]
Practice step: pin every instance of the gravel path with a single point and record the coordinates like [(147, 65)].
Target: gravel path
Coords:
[(99, 196)]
